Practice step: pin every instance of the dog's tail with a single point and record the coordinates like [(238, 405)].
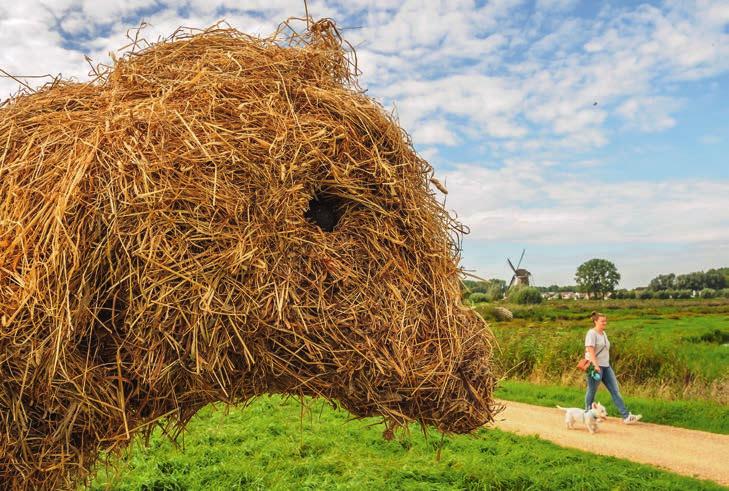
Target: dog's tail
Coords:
[(560, 407)]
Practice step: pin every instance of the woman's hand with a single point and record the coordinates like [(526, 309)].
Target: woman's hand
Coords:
[(593, 357)]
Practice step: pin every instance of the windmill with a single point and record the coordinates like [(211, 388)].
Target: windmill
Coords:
[(521, 276)]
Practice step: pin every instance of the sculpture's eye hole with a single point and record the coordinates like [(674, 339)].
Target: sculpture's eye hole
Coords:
[(324, 211)]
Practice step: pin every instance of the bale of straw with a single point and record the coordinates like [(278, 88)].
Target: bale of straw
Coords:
[(503, 314), (212, 218)]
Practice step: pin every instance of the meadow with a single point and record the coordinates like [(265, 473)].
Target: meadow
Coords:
[(668, 349), (671, 358), (273, 445)]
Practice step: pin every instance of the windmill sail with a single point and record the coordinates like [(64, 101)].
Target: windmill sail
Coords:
[(521, 276)]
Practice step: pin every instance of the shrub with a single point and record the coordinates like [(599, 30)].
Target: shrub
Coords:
[(495, 292), (623, 294), (683, 294), (724, 293), (525, 296), (662, 294), (645, 294), (478, 297), (618, 294), (707, 293)]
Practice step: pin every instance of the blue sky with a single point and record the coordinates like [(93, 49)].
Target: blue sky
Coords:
[(572, 129)]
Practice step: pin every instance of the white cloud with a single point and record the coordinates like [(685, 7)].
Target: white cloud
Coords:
[(649, 114), (529, 201), (434, 132), (555, 5), (486, 102), (492, 66)]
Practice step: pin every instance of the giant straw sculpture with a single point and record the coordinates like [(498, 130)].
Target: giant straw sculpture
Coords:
[(215, 217)]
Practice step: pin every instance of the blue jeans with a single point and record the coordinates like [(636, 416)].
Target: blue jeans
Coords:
[(608, 378)]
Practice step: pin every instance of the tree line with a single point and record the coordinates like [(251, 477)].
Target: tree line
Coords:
[(715, 279), (598, 278)]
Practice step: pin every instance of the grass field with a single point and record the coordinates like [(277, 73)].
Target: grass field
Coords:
[(670, 349), (270, 446)]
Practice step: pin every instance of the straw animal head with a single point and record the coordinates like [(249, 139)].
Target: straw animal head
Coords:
[(214, 218)]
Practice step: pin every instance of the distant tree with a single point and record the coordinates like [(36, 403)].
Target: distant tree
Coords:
[(597, 277), (714, 279), (472, 286), (725, 273), (496, 290), (493, 288), (663, 282), (691, 281)]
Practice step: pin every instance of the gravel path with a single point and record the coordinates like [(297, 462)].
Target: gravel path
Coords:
[(688, 452)]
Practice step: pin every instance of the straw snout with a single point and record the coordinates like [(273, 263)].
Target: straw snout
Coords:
[(467, 402), (437, 383)]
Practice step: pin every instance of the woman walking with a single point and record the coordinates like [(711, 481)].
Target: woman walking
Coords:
[(597, 350)]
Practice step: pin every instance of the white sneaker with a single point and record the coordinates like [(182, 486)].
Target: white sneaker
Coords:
[(632, 418)]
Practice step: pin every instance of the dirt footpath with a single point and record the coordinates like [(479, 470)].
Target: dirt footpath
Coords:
[(688, 452)]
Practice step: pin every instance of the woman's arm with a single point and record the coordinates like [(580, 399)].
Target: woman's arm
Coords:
[(593, 357)]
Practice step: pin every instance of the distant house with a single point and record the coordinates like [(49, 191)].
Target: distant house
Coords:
[(571, 295), (566, 295)]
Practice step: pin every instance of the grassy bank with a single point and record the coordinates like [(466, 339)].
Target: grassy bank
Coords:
[(692, 414), (269, 446)]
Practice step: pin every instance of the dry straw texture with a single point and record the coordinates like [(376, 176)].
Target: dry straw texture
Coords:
[(212, 218)]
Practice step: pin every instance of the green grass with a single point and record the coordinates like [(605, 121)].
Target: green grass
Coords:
[(678, 348), (692, 414), (579, 310), (670, 351), (269, 446)]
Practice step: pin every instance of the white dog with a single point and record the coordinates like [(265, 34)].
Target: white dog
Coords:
[(590, 418)]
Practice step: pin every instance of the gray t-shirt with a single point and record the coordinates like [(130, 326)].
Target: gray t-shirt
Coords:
[(601, 344)]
